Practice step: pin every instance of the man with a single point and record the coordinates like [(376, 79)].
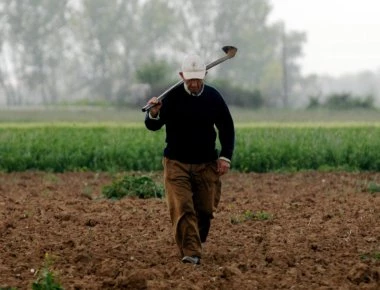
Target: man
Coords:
[(192, 165)]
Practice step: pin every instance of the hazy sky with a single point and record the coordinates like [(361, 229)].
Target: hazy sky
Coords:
[(343, 36)]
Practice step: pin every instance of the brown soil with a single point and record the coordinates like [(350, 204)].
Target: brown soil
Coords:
[(324, 233)]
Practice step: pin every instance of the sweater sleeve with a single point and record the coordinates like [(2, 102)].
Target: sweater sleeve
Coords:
[(153, 124), (226, 130)]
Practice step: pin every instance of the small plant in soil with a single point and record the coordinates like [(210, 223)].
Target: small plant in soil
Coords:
[(373, 187), (133, 186), (263, 216), (250, 215), (370, 256), (47, 279)]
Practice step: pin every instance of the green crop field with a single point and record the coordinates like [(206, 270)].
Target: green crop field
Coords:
[(124, 146)]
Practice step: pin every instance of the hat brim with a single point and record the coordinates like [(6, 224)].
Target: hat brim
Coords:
[(200, 75)]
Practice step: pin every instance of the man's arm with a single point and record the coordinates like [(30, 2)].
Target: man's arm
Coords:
[(152, 118), (226, 132)]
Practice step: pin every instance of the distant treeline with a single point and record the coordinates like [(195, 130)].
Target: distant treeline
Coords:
[(122, 52), (343, 101)]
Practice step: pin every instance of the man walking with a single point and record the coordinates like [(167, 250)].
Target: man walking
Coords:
[(192, 164)]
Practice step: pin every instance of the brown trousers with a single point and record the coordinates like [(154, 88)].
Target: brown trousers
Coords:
[(193, 193)]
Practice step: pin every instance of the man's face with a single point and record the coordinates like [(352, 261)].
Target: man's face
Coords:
[(194, 85)]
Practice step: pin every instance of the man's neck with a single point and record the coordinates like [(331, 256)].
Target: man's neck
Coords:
[(193, 94)]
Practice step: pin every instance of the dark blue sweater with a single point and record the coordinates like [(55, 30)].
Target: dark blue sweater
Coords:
[(190, 125)]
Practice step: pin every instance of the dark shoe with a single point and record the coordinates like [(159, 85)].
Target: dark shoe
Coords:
[(191, 259)]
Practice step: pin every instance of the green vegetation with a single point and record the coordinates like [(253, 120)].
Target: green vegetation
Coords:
[(343, 101), (262, 216), (47, 279), (370, 256), (373, 188), (141, 187), (73, 148), (249, 215), (123, 57), (259, 147), (307, 148)]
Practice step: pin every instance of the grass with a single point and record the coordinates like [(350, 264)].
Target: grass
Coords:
[(375, 256), (249, 215), (99, 147), (79, 139)]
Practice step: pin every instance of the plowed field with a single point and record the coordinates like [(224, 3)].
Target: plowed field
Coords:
[(307, 230)]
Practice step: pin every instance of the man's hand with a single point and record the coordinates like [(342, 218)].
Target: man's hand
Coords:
[(156, 108), (223, 166)]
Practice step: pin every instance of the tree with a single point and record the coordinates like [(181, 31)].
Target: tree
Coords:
[(32, 42), (93, 49), (291, 51), (116, 38)]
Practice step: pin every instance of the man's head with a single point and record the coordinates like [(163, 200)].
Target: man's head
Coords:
[(193, 72)]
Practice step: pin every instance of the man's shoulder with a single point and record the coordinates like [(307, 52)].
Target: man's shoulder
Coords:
[(174, 93), (211, 89), (213, 93)]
